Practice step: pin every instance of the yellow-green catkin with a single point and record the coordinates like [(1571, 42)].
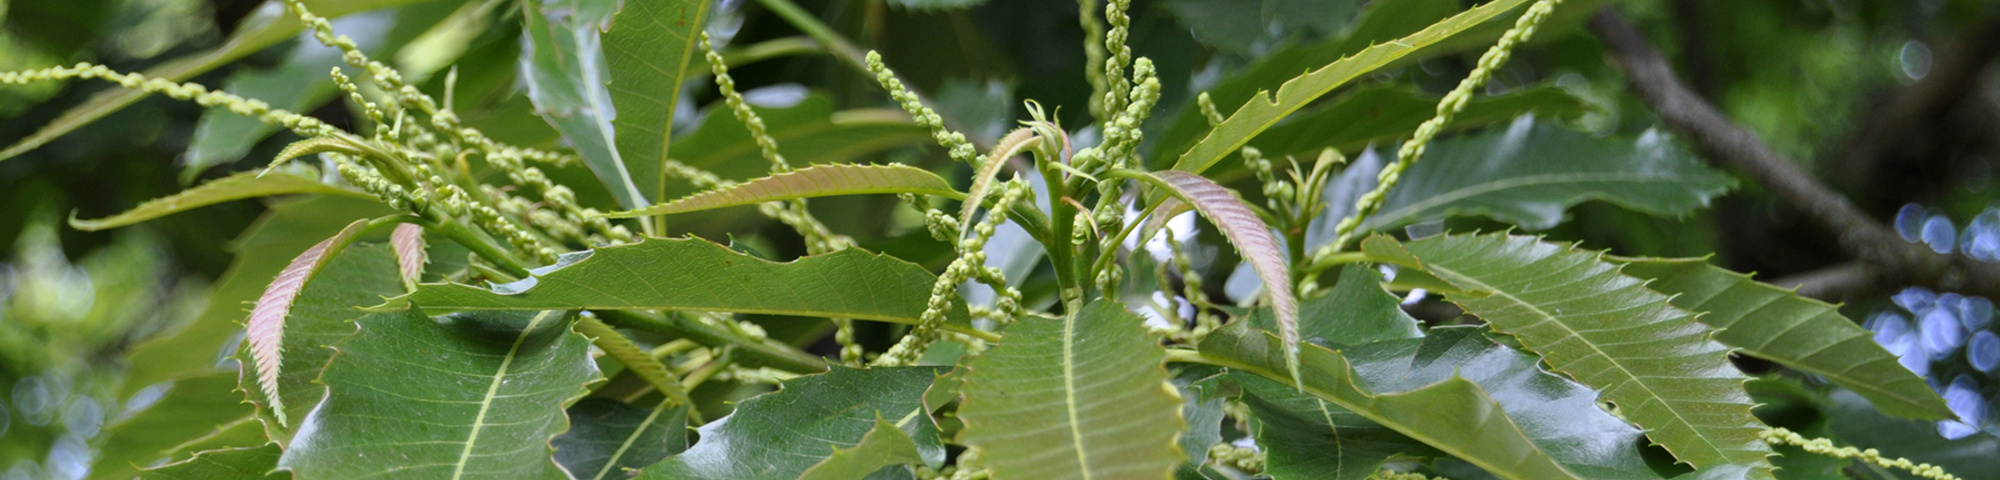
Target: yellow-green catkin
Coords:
[(1249, 460), (249, 107), (1821, 446), (1120, 54), (954, 143), (1208, 110), (1395, 475), (1093, 58), (1371, 202), (970, 264)]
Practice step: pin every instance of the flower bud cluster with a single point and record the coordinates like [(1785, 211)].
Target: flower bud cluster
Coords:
[(1371, 202), (969, 265), (1822, 446), (954, 143)]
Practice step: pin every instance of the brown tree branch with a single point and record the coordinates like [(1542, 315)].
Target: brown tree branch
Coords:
[(1883, 255)]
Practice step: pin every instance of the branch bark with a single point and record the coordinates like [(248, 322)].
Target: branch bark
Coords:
[(1883, 256)]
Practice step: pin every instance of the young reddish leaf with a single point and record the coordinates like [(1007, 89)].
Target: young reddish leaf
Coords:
[(408, 240), (266, 328), (1253, 238), (982, 180)]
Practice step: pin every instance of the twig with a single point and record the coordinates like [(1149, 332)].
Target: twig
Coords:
[(1885, 257)]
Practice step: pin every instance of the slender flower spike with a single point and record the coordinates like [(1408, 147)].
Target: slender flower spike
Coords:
[(266, 327)]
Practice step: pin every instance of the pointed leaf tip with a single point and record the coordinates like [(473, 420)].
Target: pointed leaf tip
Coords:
[(266, 326), (408, 241), (1253, 239)]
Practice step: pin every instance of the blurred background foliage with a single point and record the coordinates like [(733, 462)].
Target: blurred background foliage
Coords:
[(1809, 76)]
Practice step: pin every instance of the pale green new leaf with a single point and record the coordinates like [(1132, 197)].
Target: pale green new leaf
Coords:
[(1658, 366), (647, 51), (1081, 397), (1453, 415), (1252, 238), (563, 65), (701, 276), (780, 435), (1805, 334), (233, 187), (883, 446), (1530, 172), (262, 29), (481, 397), (809, 182), (607, 437), (1263, 111), (248, 463)]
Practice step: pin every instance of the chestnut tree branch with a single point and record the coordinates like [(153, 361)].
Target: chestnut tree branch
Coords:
[(1884, 257)]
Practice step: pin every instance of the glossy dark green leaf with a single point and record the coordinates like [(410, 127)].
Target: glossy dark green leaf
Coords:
[(263, 29), (261, 252), (195, 409), (1805, 334), (1531, 172), (1356, 311), (563, 63), (883, 446), (781, 434), (249, 463), (1081, 397), (1454, 415), (701, 276), (233, 187), (1263, 111), (809, 182), (608, 437), (1657, 365), (475, 400), (647, 52)]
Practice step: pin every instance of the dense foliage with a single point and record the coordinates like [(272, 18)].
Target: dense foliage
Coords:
[(597, 239)]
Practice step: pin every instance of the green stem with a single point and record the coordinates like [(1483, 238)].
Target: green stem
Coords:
[(1335, 259), (755, 351), (769, 49), (1062, 225), (479, 246)]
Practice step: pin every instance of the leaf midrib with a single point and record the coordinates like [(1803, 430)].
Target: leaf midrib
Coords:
[(493, 391), (1069, 394)]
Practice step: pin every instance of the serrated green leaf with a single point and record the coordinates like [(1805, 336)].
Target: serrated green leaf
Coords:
[(195, 409), (264, 335), (1453, 415), (261, 252), (1805, 334), (249, 463), (480, 401), (1081, 397), (233, 187), (564, 66), (1531, 172), (1559, 415), (647, 51), (1653, 361), (701, 276), (809, 182), (263, 29), (607, 437), (781, 434), (883, 446), (1263, 111)]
